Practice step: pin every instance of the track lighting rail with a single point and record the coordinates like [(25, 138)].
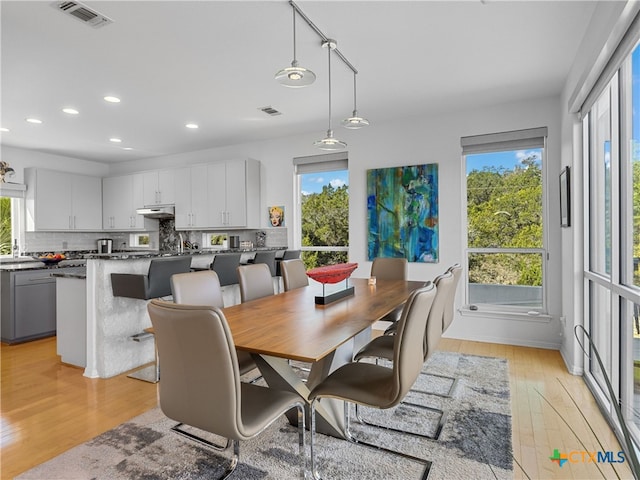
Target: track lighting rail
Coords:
[(322, 36)]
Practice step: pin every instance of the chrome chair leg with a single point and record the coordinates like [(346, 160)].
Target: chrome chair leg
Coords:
[(454, 384), (234, 460), (236, 444), (349, 436), (435, 436), (176, 428)]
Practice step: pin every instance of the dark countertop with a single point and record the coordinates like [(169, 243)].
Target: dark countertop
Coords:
[(138, 254), (26, 264), (76, 275)]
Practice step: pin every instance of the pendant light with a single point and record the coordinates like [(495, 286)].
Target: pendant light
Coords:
[(295, 76), (354, 121), (330, 142)]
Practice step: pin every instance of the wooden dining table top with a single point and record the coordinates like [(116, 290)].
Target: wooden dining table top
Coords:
[(291, 325)]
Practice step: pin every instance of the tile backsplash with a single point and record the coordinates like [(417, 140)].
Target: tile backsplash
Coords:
[(165, 239)]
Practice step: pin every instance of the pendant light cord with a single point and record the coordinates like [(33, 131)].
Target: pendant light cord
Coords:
[(354, 92), (294, 34), (329, 50)]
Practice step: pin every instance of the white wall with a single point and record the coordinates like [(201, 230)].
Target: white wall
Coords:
[(19, 159), (432, 139)]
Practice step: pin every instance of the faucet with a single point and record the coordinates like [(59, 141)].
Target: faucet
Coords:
[(181, 244)]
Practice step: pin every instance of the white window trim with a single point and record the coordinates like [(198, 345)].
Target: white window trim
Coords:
[(506, 141)]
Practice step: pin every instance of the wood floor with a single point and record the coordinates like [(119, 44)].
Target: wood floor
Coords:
[(48, 407)]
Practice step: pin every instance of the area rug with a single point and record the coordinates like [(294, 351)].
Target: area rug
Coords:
[(475, 441)]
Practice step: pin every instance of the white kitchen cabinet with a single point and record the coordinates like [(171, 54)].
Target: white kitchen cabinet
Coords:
[(192, 197), (218, 195), (234, 189), (121, 196), (62, 201), (159, 187)]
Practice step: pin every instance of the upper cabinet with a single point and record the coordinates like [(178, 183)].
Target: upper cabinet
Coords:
[(192, 197), (218, 195), (158, 188), (62, 201), (121, 196)]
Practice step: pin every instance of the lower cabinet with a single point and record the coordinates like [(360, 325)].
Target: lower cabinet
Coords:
[(28, 308), (28, 305)]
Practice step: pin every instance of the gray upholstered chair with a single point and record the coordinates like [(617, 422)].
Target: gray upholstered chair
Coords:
[(384, 268), (449, 310), (294, 274), (225, 265), (288, 255), (255, 282), (200, 384), (378, 386), (267, 257), (383, 346), (203, 288), (389, 268), (155, 284)]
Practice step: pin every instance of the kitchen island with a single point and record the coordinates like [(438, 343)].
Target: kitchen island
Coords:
[(112, 321)]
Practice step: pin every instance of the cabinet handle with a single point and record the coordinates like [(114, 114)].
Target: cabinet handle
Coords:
[(74, 222)]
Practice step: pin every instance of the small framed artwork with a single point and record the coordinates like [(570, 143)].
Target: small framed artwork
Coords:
[(565, 198), (276, 216)]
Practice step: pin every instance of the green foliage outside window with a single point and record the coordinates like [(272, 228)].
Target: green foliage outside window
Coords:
[(5, 226), (504, 210), (325, 222)]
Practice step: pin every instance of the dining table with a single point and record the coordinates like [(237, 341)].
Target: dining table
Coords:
[(290, 326)]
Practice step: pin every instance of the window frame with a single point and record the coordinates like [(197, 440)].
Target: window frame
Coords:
[(331, 162), (500, 142)]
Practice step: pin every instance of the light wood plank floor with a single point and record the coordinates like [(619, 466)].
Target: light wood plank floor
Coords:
[(48, 407)]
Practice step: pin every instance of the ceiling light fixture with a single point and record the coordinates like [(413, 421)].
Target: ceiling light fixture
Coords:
[(70, 111), (295, 76), (33, 120), (4, 129), (192, 125), (111, 99), (330, 142), (355, 121), (115, 140)]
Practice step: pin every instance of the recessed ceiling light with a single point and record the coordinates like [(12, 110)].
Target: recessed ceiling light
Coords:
[(33, 120), (3, 129), (115, 140), (191, 125), (111, 99), (127, 148), (70, 111)]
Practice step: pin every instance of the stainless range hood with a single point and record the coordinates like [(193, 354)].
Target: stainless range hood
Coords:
[(157, 212)]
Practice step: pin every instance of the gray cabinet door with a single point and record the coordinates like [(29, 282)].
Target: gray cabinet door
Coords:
[(35, 309)]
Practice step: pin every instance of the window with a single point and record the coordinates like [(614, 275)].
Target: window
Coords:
[(12, 227), (6, 237), (323, 209), (611, 164), (141, 240), (505, 221)]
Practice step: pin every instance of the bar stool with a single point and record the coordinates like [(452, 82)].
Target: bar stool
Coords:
[(155, 284)]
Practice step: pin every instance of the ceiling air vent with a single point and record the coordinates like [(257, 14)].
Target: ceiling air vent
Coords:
[(270, 111), (83, 13)]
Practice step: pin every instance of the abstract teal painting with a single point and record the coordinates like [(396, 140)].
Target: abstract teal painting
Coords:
[(402, 204)]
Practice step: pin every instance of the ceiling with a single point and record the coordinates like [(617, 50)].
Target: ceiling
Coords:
[(213, 63)]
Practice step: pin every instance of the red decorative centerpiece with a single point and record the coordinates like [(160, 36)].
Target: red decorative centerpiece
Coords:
[(333, 274)]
